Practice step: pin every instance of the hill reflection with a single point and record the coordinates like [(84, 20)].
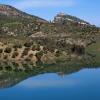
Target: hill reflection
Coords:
[(12, 73)]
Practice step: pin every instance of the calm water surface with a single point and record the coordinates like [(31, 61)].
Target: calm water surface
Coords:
[(82, 85)]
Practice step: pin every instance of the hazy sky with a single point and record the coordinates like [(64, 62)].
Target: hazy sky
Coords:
[(88, 10)]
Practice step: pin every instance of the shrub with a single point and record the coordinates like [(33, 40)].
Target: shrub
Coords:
[(51, 49), (39, 55), (27, 48), (27, 59), (8, 68), (15, 49), (17, 46), (36, 47), (7, 50), (25, 52), (28, 44), (45, 50), (5, 56), (1, 68), (15, 65), (78, 49), (57, 53), (30, 55), (1, 50), (15, 54)]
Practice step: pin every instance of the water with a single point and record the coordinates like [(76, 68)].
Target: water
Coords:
[(81, 85)]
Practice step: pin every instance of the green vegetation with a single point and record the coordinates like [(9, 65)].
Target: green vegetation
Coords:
[(1, 50), (39, 55), (15, 54), (7, 50), (28, 44), (12, 71), (30, 39), (17, 46)]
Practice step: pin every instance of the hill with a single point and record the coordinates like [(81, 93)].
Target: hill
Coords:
[(25, 37)]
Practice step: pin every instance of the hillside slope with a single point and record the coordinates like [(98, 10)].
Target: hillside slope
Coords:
[(14, 21), (25, 37)]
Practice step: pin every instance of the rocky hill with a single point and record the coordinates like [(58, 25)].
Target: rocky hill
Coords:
[(65, 18), (14, 21), (12, 12), (65, 38)]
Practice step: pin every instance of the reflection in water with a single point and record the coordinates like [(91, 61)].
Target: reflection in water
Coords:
[(83, 85), (47, 80), (13, 73)]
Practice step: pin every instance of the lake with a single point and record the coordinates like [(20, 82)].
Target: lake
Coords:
[(80, 85)]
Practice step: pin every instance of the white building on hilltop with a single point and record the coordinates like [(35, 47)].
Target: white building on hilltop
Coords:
[(59, 18)]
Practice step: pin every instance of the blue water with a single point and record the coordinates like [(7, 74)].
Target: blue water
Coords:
[(82, 85)]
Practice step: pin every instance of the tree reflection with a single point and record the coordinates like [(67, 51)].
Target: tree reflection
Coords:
[(11, 73)]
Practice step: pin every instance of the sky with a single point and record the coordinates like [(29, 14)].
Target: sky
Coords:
[(89, 10)]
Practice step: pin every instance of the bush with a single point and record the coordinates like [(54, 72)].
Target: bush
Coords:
[(17, 46), (39, 55), (78, 49), (30, 55), (7, 50), (27, 59), (57, 53), (28, 44), (51, 49), (45, 50), (8, 68), (1, 68), (36, 47), (5, 56), (15, 54), (1, 50), (15, 65), (15, 49), (25, 52), (27, 49)]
